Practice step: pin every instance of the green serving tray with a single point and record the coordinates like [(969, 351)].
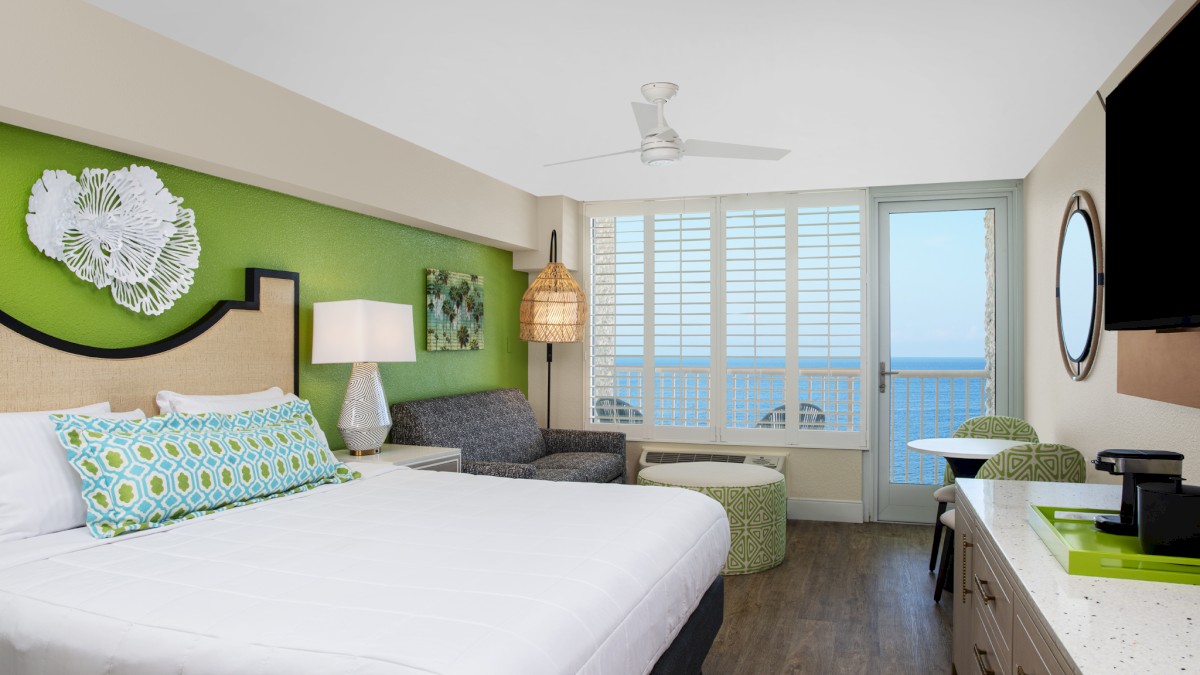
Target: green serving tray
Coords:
[(1082, 549)]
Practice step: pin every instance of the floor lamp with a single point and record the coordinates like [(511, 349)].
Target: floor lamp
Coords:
[(553, 309)]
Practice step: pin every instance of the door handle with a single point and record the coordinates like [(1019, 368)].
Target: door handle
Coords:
[(883, 373)]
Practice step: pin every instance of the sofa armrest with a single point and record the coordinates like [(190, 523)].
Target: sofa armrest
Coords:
[(500, 469), (570, 440)]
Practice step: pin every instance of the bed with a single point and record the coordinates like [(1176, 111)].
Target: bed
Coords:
[(398, 572)]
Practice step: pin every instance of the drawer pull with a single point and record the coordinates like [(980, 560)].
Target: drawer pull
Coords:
[(965, 591), (983, 594), (979, 656)]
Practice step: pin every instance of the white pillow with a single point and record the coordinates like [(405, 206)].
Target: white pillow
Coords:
[(39, 491), (169, 402), (229, 404)]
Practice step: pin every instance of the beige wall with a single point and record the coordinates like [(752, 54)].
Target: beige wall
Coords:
[(1088, 415), (811, 473), (74, 70)]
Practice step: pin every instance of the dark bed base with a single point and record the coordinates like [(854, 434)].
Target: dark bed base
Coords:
[(686, 654)]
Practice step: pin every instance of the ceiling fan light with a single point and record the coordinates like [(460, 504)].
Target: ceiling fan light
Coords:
[(660, 156)]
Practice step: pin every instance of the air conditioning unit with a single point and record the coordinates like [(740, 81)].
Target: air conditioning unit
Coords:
[(653, 455)]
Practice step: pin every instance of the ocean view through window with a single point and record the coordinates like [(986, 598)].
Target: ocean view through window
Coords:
[(730, 319)]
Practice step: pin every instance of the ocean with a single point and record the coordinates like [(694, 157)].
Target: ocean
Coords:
[(926, 406)]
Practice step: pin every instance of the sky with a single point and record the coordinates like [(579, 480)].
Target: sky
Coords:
[(937, 283)]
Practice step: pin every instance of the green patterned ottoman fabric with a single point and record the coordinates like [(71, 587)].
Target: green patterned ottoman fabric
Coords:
[(1036, 461), (993, 426), (757, 520), (153, 472)]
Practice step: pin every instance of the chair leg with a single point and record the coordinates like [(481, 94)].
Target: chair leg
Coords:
[(947, 551), (937, 534)]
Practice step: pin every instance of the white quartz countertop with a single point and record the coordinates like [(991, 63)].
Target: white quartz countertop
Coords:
[(1103, 625)]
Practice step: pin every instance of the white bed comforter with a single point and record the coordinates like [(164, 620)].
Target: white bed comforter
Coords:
[(401, 572)]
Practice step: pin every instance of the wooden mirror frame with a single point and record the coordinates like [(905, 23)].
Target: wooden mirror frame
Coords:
[(1081, 202)]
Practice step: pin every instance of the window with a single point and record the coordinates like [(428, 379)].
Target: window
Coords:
[(736, 319)]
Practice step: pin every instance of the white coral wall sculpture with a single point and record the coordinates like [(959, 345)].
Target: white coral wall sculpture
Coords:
[(121, 230)]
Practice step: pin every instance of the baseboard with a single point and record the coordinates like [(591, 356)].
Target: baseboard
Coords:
[(832, 510)]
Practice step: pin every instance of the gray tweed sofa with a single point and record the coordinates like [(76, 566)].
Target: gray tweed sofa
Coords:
[(499, 436)]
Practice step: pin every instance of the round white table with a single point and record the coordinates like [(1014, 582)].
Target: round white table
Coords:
[(964, 455)]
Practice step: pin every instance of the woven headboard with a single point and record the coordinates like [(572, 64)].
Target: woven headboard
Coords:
[(238, 346)]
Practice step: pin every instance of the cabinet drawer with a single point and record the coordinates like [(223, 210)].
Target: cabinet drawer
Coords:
[(988, 656), (993, 591), (1032, 652)]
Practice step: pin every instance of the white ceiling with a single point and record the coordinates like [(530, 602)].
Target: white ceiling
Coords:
[(867, 92)]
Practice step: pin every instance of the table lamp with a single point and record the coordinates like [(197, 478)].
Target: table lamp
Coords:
[(365, 333), (553, 309)]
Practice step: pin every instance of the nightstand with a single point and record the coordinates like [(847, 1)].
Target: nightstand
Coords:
[(414, 456)]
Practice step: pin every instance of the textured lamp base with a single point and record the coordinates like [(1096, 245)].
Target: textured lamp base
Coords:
[(365, 421)]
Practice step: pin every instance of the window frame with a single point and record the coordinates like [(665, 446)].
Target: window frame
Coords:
[(717, 432)]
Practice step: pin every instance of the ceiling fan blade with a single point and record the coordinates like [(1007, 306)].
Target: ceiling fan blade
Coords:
[(647, 117), (697, 148), (584, 159)]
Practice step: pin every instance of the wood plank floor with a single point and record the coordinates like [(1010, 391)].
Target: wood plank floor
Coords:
[(847, 599)]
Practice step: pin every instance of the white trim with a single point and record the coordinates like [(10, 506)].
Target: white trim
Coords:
[(829, 510)]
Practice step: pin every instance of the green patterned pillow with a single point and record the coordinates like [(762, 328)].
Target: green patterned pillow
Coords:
[(149, 473)]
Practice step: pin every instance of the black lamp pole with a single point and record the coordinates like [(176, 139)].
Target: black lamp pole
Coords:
[(550, 345)]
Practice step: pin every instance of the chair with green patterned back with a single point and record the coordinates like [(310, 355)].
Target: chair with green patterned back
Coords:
[(1050, 462), (984, 426)]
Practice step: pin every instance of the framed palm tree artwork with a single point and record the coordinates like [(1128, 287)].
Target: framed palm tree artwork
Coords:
[(453, 311)]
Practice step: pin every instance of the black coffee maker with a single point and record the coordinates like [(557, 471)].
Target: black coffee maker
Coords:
[(1137, 466)]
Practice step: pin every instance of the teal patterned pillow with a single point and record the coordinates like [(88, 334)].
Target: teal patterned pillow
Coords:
[(139, 474)]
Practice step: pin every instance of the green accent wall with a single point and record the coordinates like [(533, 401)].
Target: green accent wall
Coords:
[(339, 254)]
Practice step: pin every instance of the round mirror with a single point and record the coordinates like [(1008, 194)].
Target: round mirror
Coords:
[(1080, 284)]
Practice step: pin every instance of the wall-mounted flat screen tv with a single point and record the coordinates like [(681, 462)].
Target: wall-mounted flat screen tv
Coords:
[(1152, 264)]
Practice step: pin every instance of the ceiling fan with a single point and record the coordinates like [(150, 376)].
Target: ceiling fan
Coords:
[(661, 145)]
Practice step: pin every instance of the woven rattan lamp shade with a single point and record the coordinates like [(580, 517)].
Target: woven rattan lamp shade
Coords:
[(553, 308)]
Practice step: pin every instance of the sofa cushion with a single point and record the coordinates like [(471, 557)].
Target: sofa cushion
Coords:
[(591, 467), (496, 426)]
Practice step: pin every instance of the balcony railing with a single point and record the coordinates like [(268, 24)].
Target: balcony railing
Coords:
[(929, 404), (922, 404), (754, 397)]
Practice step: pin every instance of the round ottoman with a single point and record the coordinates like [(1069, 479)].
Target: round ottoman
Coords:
[(755, 501)]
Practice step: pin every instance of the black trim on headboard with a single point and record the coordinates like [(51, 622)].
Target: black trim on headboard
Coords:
[(253, 275)]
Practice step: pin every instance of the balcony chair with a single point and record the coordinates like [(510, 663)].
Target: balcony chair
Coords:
[(1050, 462), (984, 426), (811, 417), (610, 410)]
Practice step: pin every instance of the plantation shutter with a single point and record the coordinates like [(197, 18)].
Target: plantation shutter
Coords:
[(683, 321), (830, 302), (735, 319), (617, 325), (756, 320)]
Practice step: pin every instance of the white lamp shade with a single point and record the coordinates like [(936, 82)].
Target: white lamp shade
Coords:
[(362, 331)]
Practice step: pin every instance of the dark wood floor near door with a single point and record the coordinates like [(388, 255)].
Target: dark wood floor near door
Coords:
[(847, 599)]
